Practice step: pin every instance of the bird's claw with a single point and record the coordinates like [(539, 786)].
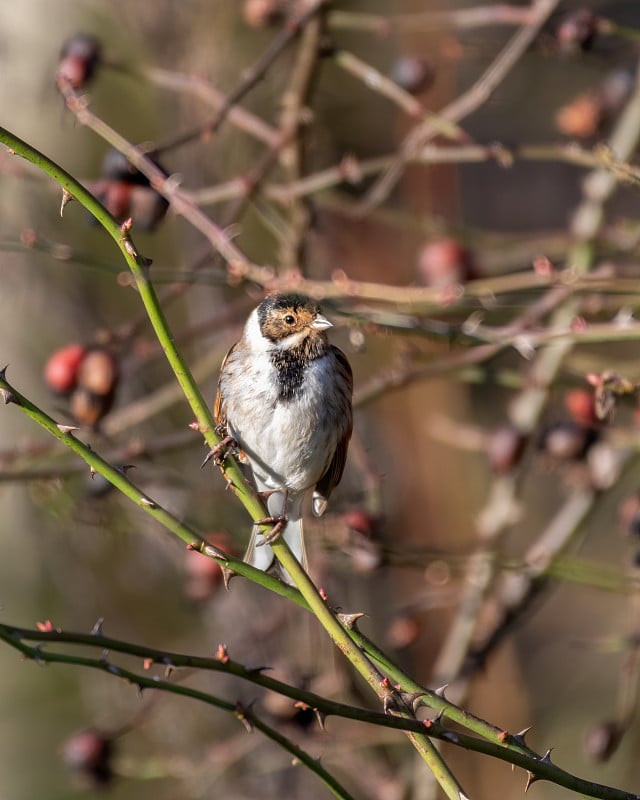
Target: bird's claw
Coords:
[(220, 451), (275, 533)]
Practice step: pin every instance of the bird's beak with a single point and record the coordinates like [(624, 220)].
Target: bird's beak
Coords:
[(320, 323)]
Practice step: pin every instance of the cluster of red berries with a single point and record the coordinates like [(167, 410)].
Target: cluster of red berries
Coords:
[(88, 377)]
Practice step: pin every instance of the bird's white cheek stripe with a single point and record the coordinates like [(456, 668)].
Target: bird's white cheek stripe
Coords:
[(291, 341)]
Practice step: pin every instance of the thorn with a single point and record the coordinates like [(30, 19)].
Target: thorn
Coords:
[(7, 396), (240, 714), (258, 670), (97, 627), (3, 373), (547, 757), (227, 574), (130, 248), (531, 779), (67, 430), (389, 703), (92, 472), (213, 552), (441, 690), (320, 717), (146, 502), (168, 671), (139, 689), (67, 197), (211, 454), (126, 226), (349, 620), (412, 700), (519, 737)]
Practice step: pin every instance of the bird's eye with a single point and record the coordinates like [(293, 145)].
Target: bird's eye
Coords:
[(289, 319)]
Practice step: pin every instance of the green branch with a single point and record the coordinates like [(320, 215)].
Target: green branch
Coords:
[(245, 714), (398, 693), (139, 267), (506, 747)]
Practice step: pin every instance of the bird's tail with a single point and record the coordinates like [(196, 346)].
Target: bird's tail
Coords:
[(261, 555)]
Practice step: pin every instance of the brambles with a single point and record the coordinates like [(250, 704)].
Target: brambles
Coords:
[(461, 355)]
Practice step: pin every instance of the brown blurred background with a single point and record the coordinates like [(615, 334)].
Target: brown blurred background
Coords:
[(403, 523)]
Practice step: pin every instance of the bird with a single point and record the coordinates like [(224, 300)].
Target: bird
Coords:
[(285, 397)]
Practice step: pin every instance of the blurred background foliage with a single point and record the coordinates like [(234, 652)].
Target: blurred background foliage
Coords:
[(404, 523)]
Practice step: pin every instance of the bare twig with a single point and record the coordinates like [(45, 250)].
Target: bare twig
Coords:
[(462, 106)]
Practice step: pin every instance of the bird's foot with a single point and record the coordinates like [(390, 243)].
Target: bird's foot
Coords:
[(220, 451), (275, 533), (266, 494)]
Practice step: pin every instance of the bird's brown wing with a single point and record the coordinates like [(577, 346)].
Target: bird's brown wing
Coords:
[(219, 412), (333, 473)]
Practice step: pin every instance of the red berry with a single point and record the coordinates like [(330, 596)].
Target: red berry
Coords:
[(61, 370), (567, 441), (444, 262), (603, 739), (87, 407), (413, 74), (359, 520), (262, 13), (629, 515), (98, 372), (580, 403), (89, 753), (505, 448), (403, 630), (79, 58), (577, 30), (116, 198)]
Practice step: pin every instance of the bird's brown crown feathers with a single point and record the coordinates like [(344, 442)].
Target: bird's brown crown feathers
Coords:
[(281, 315)]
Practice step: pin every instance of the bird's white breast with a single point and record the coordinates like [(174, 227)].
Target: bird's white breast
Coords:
[(289, 442)]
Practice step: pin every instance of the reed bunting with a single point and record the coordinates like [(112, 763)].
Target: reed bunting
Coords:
[(284, 395)]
